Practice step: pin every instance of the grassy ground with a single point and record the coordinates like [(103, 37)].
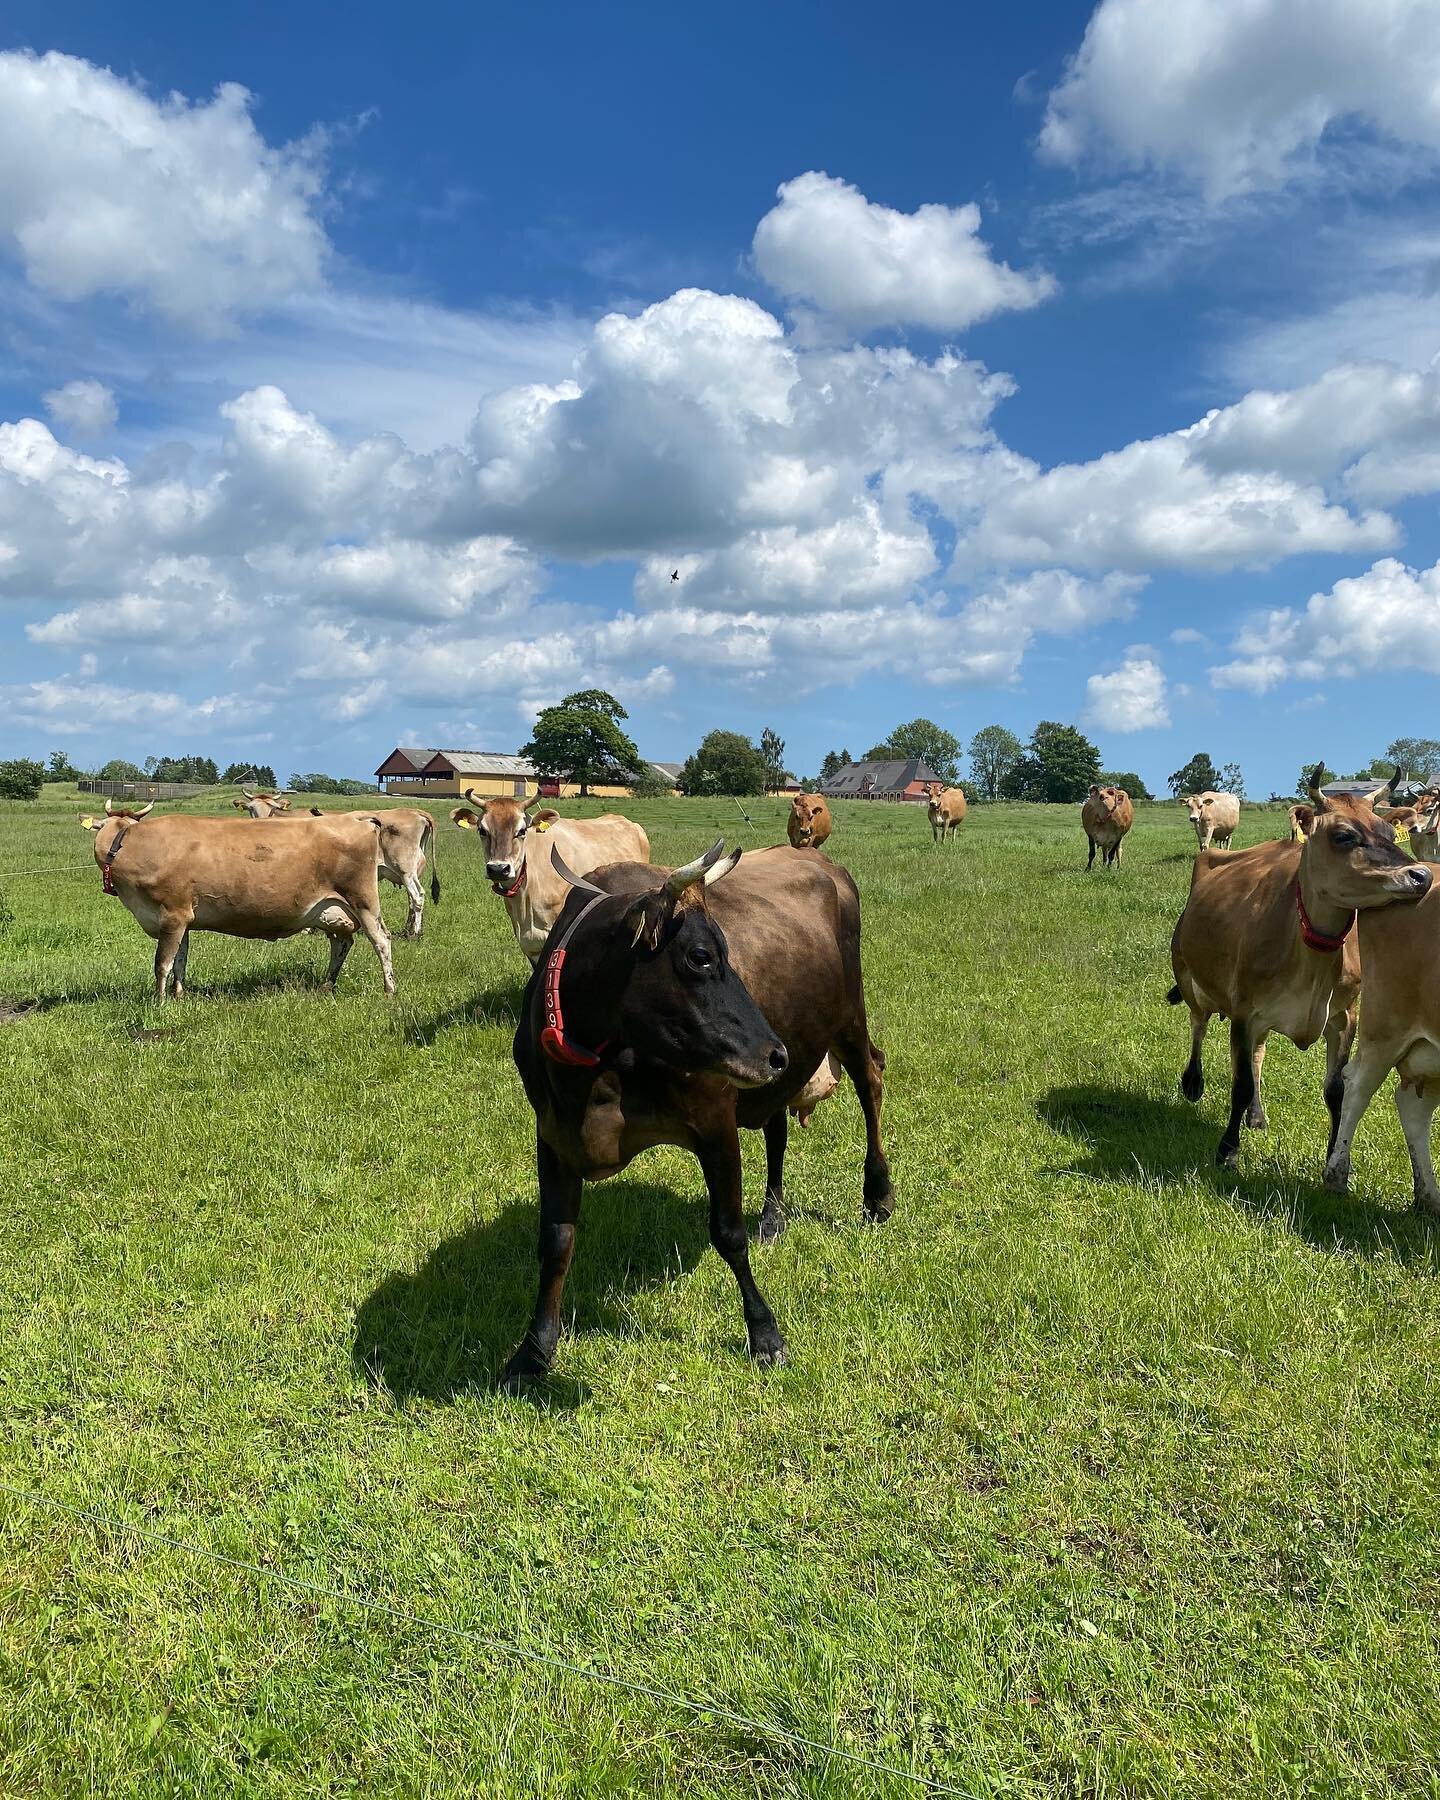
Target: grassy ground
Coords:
[(1096, 1471)]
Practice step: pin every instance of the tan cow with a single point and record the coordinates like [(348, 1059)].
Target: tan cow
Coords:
[(809, 823), (1425, 832), (519, 842), (1214, 816), (1265, 940), (262, 805), (947, 810), (1108, 813), (243, 877), (407, 834), (1302, 823), (1399, 1029)]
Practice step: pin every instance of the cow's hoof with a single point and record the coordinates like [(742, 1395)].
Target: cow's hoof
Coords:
[(1256, 1119), (772, 1224), (768, 1349), (877, 1212), (1427, 1207), (523, 1371), (1228, 1156), (1192, 1087), (1337, 1177)]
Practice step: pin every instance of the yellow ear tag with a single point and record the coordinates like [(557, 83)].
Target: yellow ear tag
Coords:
[(88, 822), (543, 824)]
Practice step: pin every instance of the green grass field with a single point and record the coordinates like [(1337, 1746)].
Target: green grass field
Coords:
[(1096, 1472)]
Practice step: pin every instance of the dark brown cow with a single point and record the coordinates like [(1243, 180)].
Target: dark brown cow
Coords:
[(246, 878), (1108, 813), (674, 1009), (1265, 940), (809, 823)]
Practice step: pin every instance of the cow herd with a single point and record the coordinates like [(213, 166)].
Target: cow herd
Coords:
[(678, 1006)]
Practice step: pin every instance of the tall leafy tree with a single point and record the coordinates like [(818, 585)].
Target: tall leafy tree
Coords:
[(924, 739), (994, 751), (580, 740), (1059, 764), (834, 762), (1130, 783), (249, 774), (1232, 781), (1419, 758), (772, 748), (1319, 773), (61, 768), (117, 769), (725, 763), (1198, 776), (21, 779)]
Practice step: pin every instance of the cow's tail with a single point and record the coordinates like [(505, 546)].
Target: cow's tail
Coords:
[(1174, 997), (427, 844)]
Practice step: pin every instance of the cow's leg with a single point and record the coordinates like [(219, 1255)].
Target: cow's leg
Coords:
[(182, 962), (1416, 1108), (1360, 1081), (373, 926), (772, 1215), (1119, 850), (340, 942), (415, 919), (167, 947), (1339, 1036), (865, 1066), (1192, 1081), (1242, 1090), (1090, 860), (1255, 1117), (720, 1160), (559, 1209)]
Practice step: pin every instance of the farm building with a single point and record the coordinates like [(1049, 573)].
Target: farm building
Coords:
[(880, 781), (487, 772)]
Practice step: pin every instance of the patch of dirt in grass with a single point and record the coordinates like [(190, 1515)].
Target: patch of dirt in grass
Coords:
[(11, 1010)]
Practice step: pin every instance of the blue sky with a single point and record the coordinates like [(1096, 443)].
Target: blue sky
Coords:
[(365, 385)]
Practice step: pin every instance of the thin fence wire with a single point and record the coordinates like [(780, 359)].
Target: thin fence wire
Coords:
[(59, 869), (498, 1646)]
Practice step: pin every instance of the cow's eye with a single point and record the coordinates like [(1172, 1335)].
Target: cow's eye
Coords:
[(1344, 840), (483, 830), (699, 956), (520, 830)]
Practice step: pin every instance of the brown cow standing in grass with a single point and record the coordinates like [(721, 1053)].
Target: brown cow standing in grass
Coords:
[(809, 823), (947, 811), (1216, 817), (1108, 813), (407, 834), (675, 1009), (245, 878), (1425, 833), (1265, 940), (519, 843)]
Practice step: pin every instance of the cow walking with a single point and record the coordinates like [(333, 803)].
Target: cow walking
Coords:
[(244, 878), (407, 837), (1108, 813), (809, 824), (1216, 818), (947, 809), (519, 845), (1266, 940), (675, 1008)]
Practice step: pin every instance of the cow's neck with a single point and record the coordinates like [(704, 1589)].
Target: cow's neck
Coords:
[(1324, 915)]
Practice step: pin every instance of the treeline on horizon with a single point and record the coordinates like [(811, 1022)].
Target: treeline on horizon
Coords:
[(22, 778)]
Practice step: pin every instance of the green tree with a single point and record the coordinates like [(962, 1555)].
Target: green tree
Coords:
[(61, 768), (1132, 784), (1060, 764), (772, 748), (994, 751), (580, 740), (1198, 776), (1319, 773), (249, 774), (925, 740), (329, 784), (1417, 757), (649, 784), (725, 763), (199, 770), (1232, 781), (834, 762), (21, 779), (117, 769)]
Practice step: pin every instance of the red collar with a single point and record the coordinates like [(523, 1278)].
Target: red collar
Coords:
[(553, 1038), (107, 868), (510, 892), (1309, 936)]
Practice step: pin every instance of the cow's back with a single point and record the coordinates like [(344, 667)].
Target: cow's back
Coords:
[(1239, 923)]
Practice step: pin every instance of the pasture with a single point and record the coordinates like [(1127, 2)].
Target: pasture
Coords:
[(1097, 1471)]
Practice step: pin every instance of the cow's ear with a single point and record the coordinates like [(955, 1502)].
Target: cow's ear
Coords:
[(542, 821), (646, 920), (464, 818), (1094, 788), (89, 824)]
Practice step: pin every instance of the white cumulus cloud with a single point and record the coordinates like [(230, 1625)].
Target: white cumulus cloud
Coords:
[(86, 408), (1130, 698)]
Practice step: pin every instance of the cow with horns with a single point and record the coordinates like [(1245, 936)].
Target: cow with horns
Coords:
[(675, 1008), (262, 805), (1267, 940), (179, 873)]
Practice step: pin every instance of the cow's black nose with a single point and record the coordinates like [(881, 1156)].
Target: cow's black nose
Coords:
[(497, 871), (1419, 877), (779, 1060)]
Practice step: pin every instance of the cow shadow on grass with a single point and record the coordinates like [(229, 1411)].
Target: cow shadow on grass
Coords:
[(447, 1327), (1128, 1133), (499, 1004)]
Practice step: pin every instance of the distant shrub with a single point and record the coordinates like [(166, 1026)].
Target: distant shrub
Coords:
[(21, 779), (316, 783)]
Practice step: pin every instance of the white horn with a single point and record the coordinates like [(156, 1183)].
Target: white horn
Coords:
[(723, 867), (566, 873), (676, 884), (109, 809), (530, 805), (148, 807)]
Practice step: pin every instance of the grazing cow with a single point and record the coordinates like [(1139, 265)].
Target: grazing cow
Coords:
[(1265, 939), (518, 851), (262, 805), (1302, 823), (1425, 832), (407, 834), (1107, 815), (1214, 816), (674, 1008), (180, 873), (947, 810), (809, 823), (1399, 1029)]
